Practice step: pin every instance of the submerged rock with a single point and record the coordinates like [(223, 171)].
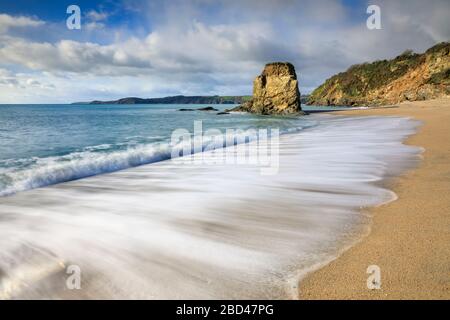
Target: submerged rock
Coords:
[(199, 109), (207, 109), (275, 91)]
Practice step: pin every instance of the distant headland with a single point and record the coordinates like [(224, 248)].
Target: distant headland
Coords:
[(176, 100)]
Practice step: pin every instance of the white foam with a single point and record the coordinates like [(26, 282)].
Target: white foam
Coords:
[(52, 170), (167, 230)]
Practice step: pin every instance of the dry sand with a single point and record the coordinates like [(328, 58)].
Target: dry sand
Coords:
[(410, 237)]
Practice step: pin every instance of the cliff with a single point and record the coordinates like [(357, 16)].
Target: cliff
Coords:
[(410, 76), (275, 91)]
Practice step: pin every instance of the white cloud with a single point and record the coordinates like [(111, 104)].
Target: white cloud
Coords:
[(91, 26), (196, 51), (24, 87), (96, 16), (7, 22), (7, 79)]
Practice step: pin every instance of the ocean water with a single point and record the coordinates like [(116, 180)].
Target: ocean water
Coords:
[(46, 144), (183, 228)]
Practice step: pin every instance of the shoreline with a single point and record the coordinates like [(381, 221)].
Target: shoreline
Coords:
[(133, 199), (408, 238), (169, 231)]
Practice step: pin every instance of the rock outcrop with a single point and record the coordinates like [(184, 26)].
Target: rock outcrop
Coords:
[(199, 109), (275, 91), (410, 76)]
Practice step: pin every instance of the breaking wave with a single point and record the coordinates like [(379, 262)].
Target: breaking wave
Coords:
[(25, 174)]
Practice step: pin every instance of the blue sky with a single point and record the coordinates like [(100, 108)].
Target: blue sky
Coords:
[(150, 48)]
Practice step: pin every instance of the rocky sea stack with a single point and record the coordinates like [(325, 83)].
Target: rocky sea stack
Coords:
[(275, 91)]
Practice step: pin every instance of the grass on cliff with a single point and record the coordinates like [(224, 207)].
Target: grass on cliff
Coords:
[(360, 79), (442, 77)]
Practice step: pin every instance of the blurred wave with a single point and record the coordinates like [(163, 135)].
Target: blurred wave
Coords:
[(201, 231)]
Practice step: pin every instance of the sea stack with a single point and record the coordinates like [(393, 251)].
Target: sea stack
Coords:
[(275, 91)]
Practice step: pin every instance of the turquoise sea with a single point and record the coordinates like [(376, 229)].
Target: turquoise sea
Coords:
[(85, 187), (47, 144)]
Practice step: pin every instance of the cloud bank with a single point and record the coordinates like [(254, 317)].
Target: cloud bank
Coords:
[(202, 47)]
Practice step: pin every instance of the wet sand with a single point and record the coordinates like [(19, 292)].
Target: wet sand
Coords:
[(409, 238), (200, 227)]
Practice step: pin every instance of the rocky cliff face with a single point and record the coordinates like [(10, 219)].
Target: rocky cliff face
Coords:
[(410, 76), (275, 91)]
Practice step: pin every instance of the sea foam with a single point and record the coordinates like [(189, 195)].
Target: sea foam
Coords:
[(24, 174), (168, 230)]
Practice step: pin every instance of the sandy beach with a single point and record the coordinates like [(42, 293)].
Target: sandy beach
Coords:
[(199, 227), (409, 238)]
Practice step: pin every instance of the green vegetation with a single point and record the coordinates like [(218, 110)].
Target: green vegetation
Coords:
[(442, 77), (368, 83)]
